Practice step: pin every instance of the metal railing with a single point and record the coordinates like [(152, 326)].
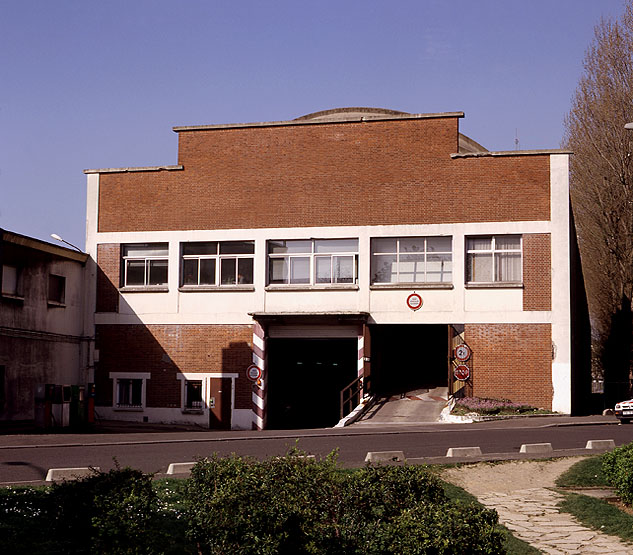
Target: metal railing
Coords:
[(350, 395)]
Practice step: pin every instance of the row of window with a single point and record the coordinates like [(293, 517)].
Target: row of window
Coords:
[(415, 260), (129, 394)]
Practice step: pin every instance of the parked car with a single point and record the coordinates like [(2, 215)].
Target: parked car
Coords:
[(624, 411)]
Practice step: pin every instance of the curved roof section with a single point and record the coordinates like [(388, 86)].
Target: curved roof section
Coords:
[(338, 114)]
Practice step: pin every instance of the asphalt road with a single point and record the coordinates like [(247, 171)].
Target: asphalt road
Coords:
[(27, 458)]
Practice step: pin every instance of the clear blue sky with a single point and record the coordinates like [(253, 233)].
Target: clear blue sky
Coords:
[(100, 83)]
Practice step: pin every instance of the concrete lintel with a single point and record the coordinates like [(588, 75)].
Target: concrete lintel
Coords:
[(510, 153), (384, 456), (600, 444), (140, 169), (356, 119), (61, 474), (464, 452), (536, 448)]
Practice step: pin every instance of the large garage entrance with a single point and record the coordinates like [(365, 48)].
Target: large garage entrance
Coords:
[(408, 357), (305, 377)]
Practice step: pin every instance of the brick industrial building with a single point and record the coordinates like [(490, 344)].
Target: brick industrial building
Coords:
[(276, 263)]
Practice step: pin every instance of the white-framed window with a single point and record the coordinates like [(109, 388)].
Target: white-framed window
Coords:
[(494, 259), (145, 265), (313, 261), (12, 281), (129, 389), (213, 263), (411, 260)]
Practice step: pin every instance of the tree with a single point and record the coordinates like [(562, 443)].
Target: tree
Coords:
[(602, 194)]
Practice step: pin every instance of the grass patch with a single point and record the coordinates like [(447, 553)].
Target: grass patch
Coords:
[(585, 473), (598, 514), (512, 544)]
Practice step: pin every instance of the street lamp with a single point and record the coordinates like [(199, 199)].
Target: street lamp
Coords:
[(58, 238)]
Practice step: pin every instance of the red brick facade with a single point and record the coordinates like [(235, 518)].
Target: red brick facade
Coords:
[(512, 361), (165, 350), (108, 277), (369, 173), (537, 271)]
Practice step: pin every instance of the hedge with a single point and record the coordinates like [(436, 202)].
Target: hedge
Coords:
[(294, 505), (618, 470)]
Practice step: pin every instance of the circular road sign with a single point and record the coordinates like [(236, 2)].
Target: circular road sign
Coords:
[(461, 372), (462, 352), (253, 372), (414, 301)]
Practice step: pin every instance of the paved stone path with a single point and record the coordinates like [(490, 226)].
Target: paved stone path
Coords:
[(520, 492), (532, 515)]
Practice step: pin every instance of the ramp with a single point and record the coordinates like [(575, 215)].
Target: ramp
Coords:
[(420, 405)]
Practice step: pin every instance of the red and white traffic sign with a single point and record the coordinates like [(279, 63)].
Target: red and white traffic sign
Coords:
[(414, 301), (253, 372), (462, 352), (461, 372)]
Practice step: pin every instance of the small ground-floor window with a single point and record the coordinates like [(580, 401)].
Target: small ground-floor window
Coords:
[(129, 389), (193, 394)]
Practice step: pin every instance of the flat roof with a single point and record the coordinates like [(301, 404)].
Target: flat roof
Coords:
[(337, 115)]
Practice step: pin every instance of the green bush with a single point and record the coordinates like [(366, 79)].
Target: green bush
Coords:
[(295, 505), (618, 469), (107, 512), (24, 522)]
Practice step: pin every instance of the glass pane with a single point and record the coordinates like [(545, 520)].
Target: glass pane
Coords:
[(335, 245), (190, 272), (207, 271), (282, 247), (137, 388), (228, 267), (383, 268), (480, 268), (439, 244), (507, 242), (323, 269), (157, 272), (278, 270), (343, 269), (300, 270), (479, 243), (439, 268), (145, 249), (124, 391), (508, 267), (237, 247), (209, 247), (411, 268), (386, 244), (193, 394), (412, 244), (245, 270), (135, 272)]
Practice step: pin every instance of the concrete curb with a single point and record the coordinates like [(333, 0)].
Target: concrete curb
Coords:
[(62, 474)]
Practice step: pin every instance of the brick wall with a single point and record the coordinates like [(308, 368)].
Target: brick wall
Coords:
[(165, 350), (369, 173), (512, 361), (108, 277), (537, 271)]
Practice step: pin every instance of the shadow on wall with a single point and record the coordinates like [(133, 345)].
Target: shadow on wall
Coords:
[(164, 351)]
